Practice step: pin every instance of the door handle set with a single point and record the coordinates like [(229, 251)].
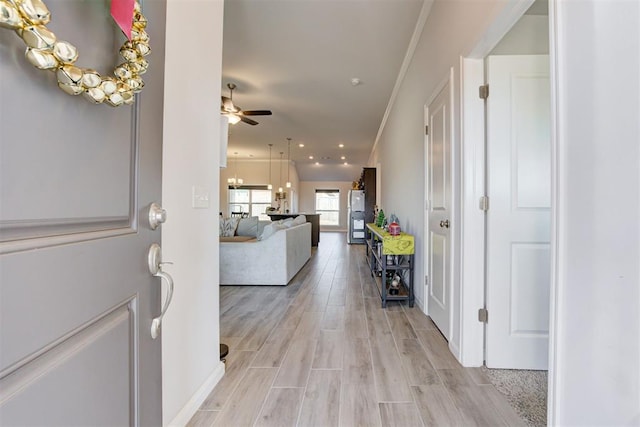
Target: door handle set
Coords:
[(158, 216), (155, 268), (444, 223)]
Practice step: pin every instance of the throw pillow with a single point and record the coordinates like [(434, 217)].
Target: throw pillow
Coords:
[(267, 231), (300, 219), (248, 227), (228, 226), (286, 223)]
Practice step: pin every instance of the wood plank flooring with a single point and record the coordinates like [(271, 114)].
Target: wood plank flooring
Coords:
[(322, 352)]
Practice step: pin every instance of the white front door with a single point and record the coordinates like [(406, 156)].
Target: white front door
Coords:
[(438, 220), (519, 216), (76, 180)]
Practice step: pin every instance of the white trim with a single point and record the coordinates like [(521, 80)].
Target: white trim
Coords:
[(191, 407), (555, 290), (472, 188), (408, 57)]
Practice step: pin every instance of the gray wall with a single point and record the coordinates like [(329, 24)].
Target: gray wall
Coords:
[(529, 36)]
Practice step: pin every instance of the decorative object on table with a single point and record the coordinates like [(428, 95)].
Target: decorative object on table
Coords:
[(380, 218), (45, 52), (394, 229), (394, 287)]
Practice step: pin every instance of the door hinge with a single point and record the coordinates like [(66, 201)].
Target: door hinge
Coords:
[(426, 280), (484, 203), (483, 315), (426, 129), (484, 91)]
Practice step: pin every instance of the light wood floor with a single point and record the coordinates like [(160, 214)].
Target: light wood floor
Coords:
[(321, 351)]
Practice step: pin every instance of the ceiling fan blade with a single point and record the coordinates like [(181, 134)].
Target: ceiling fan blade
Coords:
[(227, 105), (256, 113), (248, 120)]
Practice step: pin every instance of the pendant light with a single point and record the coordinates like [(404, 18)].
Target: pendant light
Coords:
[(280, 180), (269, 186), (288, 161), (235, 182)]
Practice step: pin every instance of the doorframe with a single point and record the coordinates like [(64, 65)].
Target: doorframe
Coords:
[(473, 151)]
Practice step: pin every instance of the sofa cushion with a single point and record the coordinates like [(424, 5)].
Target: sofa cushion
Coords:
[(248, 227), (228, 226)]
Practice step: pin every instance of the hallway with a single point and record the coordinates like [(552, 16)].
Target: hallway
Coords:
[(322, 352)]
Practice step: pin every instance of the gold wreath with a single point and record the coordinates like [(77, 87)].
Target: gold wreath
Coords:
[(44, 51)]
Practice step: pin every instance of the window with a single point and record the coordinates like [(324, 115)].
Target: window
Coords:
[(328, 205), (254, 199)]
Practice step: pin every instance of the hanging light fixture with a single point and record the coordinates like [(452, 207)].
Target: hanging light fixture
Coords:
[(280, 180), (288, 161), (233, 119), (235, 182), (269, 186)]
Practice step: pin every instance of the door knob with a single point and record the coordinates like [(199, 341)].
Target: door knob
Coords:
[(444, 224), (157, 215), (155, 268)]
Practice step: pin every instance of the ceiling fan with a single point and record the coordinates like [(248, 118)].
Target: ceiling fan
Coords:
[(235, 113)]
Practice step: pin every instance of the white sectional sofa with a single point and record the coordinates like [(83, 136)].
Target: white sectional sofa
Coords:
[(272, 261)]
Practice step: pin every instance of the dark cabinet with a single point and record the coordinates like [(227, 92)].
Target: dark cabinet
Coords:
[(369, 182)]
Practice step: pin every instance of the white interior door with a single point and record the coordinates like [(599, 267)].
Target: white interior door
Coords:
[(76, 181), (519, 216), (438, 252)]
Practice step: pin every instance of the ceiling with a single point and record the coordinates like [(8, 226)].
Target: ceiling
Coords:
[(298, 58)]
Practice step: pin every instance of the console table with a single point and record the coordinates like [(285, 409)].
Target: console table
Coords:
[(314, 219), (389, 256)]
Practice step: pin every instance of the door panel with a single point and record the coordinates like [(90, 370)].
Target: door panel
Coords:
[(530, 267), (438, 268), (438, 253), (76, 180), (518, 220), (85, 364)]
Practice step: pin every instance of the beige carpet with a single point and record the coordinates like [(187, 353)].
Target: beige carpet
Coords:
[(525, 390)]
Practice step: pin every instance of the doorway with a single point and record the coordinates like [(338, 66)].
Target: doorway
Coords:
[(525, 33)]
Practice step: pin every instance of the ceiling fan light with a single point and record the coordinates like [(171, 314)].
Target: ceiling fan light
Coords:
[(233, 119)]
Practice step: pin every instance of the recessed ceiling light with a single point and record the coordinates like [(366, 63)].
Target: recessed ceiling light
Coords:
[(355, 81), (342, 157), (300, 145), (341, 145), (310, 157), (345, 163), (317, 163)]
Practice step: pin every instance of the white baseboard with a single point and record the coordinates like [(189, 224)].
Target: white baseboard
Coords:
[(190, 408)]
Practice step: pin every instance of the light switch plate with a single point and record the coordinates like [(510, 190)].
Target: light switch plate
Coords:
[(200, 198)]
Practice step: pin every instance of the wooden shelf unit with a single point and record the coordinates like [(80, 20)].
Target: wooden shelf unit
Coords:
[(385, 262)]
